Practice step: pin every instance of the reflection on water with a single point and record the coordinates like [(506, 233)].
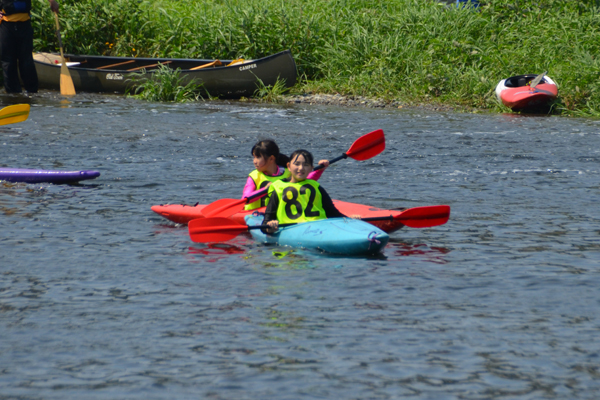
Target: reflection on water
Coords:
[(100, 298), (424, 252)]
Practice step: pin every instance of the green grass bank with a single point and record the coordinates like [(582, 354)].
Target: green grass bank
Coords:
[(415, 51)]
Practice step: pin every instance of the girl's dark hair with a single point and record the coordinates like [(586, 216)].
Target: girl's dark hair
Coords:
[(267, 148), (305, 153)]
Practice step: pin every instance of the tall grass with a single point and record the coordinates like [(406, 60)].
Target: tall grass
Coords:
[(411, 50), (164, 84), (270, 93)]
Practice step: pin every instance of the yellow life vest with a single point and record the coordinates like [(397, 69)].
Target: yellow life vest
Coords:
[(15, 10), (20, 17), (261, 180), (298, 202)]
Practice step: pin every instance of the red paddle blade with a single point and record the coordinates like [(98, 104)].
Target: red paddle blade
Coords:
[(367, 146), (223, 208), (211, 230), (424, 217)]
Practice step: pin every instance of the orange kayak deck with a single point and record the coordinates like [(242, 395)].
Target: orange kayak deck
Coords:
[(182, 214)]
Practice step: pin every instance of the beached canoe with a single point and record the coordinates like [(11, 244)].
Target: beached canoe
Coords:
[(517, 94), (343, 236), (45, 176), (220, 78), (182, 214)]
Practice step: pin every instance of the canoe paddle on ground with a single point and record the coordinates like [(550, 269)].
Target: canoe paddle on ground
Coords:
[(363, 148), (203, 230), (66, 82), (13, 114)]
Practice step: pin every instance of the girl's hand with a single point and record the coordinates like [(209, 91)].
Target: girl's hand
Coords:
[(273, 226), (324, 163)]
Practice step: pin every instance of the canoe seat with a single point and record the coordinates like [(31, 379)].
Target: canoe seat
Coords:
[(150, 66), (522, 82), (215, 63), (47, 58), (239, 61), (116, 65)]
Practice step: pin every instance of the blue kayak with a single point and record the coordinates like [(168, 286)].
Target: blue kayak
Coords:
[(334, 235)]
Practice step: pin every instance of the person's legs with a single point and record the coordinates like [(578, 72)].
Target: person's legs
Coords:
[(25, 56), (8, 56)]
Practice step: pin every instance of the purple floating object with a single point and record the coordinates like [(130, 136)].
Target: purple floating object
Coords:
[(41, 175)]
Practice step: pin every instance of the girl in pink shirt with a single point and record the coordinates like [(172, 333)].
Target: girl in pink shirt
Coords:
[(270, 167)]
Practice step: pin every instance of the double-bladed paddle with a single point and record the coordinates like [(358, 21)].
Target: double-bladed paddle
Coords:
[(13, 114), (363, 148), (220, 229), (205, 230)]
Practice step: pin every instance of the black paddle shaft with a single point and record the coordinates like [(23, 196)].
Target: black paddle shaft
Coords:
[(389, 217), (321, 166)]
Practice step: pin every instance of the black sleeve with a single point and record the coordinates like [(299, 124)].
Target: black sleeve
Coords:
[(330, 210), (271, 211)]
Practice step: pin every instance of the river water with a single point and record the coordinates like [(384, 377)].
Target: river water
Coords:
[(100, 298)]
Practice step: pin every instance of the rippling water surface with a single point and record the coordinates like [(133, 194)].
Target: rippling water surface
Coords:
[(100, 298)]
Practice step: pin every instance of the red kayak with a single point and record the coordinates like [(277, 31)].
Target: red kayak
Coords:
[(521, 94), (182, 214)]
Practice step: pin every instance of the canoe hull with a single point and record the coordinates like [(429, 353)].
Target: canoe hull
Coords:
[(344, 236), (515, 93), (182, 214), (114, 74), (45, 176)]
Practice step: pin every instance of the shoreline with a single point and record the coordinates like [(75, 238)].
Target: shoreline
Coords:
[(362, 101)]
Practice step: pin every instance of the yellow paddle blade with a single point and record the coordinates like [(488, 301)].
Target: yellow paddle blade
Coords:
[(66, 82), (14, 114)]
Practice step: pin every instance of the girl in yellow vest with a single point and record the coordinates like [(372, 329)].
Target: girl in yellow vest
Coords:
[(270, 167), (298, 198)]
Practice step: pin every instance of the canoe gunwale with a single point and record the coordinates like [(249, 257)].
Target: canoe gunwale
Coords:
[(174, 61)]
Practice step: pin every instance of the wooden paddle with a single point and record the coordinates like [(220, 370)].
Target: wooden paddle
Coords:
[(204, 230), (13, 114), (363, 148), (537, 80), (222, 229), (66, 83)]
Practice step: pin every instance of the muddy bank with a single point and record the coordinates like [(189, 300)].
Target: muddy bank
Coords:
[(360, 101)]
